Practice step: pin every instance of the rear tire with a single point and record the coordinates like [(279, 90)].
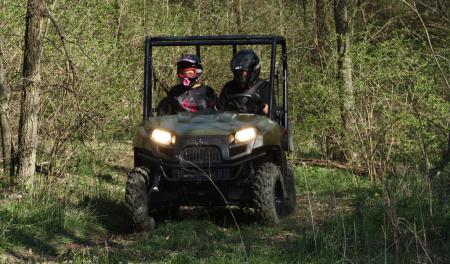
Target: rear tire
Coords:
[(291, 201), (169, 213), (268, 194), (136, 199)]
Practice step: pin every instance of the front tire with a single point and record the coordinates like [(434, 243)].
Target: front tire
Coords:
[(268, 194), (136, 199)]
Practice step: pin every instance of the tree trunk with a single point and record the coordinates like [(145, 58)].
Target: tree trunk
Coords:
[(443, 163), (319, 57), (323, 30), (118, 7), (237, 6), (305, 11), (29, 109), (344, 64), (5, 129)]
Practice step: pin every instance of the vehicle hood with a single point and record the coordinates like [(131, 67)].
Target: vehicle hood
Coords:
[(186, 123)]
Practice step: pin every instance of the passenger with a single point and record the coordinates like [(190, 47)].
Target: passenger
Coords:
[(190, 95), (246, 67)]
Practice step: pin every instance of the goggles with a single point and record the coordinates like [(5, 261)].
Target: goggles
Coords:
[(242, 73), (189, 72)]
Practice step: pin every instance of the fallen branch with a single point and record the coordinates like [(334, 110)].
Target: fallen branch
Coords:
[(48, 171), (355, 168)]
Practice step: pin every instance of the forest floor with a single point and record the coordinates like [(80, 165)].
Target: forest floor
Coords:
[(80, 218)]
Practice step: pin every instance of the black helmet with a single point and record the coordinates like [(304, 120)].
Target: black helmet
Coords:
[(189, 60), (245, 66)]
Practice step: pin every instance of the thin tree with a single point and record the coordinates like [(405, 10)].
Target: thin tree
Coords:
[(4, 121), (320, 58), (322, 30), (118, 6), (344, 64), (29, 104), (237, 6)]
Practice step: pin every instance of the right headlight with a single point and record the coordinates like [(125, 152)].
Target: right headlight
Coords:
[(245, 134)]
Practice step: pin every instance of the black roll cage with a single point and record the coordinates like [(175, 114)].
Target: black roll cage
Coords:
[(225, 40)]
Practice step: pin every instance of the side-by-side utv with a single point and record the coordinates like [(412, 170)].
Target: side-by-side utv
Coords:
[(214, 158)]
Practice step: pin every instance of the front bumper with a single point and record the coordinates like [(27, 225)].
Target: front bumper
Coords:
[(185, 183), (205, 174), (197, 158), (179, 169)]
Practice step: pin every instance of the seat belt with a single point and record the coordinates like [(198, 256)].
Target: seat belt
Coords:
[(253, 89)]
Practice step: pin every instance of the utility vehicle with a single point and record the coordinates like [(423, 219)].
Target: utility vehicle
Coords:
[(215, 158)]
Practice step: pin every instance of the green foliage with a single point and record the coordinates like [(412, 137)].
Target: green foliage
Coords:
[(400, 95), (398, 100), (91, 99), (340, 214)]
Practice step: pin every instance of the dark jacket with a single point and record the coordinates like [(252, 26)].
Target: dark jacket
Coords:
[(231, 88), (180, 99)]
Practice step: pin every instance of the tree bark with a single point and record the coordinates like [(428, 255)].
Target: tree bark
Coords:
[(29, 109), (237, 6), (322, 30), (344, 63), (5, 128), (305, 11), (118, 7), (443, 163)]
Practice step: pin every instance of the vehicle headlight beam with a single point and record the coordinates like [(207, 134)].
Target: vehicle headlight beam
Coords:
[(162, 137), (245, 134)]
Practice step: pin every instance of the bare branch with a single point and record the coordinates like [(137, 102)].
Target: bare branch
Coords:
[(429, 41), (69, 61)]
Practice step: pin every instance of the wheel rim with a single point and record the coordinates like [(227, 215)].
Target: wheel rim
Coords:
[(278, 195)]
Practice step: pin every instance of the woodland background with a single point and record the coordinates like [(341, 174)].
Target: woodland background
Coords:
[(369, 93)]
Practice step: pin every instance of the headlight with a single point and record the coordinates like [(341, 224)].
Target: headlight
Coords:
[(245, 134), (162, 137)]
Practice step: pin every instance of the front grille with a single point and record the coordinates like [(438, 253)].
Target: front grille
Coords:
[(201, 154), (200, 174), (204, 140)]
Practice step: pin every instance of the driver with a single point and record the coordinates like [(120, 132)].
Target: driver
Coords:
[(246, 67), (190, 94)]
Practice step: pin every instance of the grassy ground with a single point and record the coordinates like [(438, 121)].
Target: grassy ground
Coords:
[(80, 218)]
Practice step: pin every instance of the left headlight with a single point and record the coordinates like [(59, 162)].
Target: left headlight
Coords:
[(245, 134), (162, 137)]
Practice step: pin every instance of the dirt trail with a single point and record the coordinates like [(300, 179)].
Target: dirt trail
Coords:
[(118, 239)]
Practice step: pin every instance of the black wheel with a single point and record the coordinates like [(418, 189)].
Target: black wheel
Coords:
[(291, 201), (136, 199), (169, 213), (268, 194), (174, 213)]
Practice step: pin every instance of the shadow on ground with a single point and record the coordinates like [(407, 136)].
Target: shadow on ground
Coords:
[(111, 214), (220, 216)]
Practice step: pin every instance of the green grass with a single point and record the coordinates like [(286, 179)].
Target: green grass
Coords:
[(81, 218), (41, 221), (61, 213), (200, 241)]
